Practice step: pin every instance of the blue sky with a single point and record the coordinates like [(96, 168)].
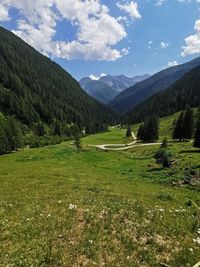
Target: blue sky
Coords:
[(106, 36)]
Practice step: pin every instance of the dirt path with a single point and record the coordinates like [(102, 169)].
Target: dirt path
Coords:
[(118, 147)]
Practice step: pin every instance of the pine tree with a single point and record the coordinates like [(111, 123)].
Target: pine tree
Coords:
[(152, 128), (3, 141), (128, 131), (40, 129), (140, 132), (178, 129), (188, 124), (197, 134), (77, 141)]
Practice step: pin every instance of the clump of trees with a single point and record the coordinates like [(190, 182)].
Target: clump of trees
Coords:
[(184, 126), (149, 130), (11, 137)]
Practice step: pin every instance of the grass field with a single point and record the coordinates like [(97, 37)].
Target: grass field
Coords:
[(59, 207)]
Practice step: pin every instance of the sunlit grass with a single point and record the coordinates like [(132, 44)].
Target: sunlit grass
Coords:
[(60, 207)]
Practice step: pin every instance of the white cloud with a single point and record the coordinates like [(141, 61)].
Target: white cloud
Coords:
[(4, 16), (172, 63), (160, 2), (164, 45), (192, 42), (96, 78), (98, 32), (130, 8)]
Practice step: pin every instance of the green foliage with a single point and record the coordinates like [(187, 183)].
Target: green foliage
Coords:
[(178, 129), (197, 133), (183, 93), (164, 143), (128, 131), (11, 137), (36, 90), (127, 218), (77, 141), (149, 131), (3, 141), (184, 126), (163, 157)]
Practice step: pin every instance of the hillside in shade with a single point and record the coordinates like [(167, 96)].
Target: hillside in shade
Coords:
[(182, 94), (33, 88), (132, 96)]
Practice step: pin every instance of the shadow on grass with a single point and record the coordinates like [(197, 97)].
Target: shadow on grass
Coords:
[(187, 151), (156, 169)]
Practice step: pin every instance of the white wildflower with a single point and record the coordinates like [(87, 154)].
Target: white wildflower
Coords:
[(197, 240), (49, 215), (72, 206)]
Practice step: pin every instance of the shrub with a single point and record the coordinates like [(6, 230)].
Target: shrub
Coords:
[(163, 157)]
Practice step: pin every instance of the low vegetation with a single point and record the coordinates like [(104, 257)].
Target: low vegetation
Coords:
[(96, 208)]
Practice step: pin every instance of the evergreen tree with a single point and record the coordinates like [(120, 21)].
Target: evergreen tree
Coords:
[(57, 128), (178, 129), (75, 130), (163, 157), (128, 131), (188, 124), (140, 132), (40, 129), (77, 141), (149, 131), (164, 143), (197, 134), (3, 141), (152, 129)]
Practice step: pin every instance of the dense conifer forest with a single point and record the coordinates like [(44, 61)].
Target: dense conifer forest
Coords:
[(185, 92), (40, 95)]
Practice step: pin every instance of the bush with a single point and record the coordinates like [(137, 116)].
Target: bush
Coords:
[(163, 157)]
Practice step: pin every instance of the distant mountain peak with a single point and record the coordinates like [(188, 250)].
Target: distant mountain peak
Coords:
[(105, 88)]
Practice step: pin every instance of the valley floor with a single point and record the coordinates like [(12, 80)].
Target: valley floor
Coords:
[(59, 207)]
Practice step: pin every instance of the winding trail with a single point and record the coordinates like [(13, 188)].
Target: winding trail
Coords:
[(118, 147)]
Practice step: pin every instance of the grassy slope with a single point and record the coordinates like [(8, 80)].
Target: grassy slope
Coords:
[(166, 125), (113, 136), (127, 213)]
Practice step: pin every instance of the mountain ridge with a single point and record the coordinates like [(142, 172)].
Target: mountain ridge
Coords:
[(33, 88), (107, 87), (138, 93), (183, 93)]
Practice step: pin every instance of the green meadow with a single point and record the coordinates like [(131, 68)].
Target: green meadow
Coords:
[(60, 207)]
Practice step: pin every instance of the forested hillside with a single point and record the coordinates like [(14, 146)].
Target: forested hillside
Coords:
[(185, 92), (34, 89), (160, 81)]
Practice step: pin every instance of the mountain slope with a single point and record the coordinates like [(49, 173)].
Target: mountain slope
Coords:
[(98, 90), (108, 87), (185, 92), (132, 96), (120, 82), (33, 88)]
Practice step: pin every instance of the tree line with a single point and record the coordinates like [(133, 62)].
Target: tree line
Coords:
[(11, 136)]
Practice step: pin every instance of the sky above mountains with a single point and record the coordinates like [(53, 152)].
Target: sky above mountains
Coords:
[(104, 36)]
